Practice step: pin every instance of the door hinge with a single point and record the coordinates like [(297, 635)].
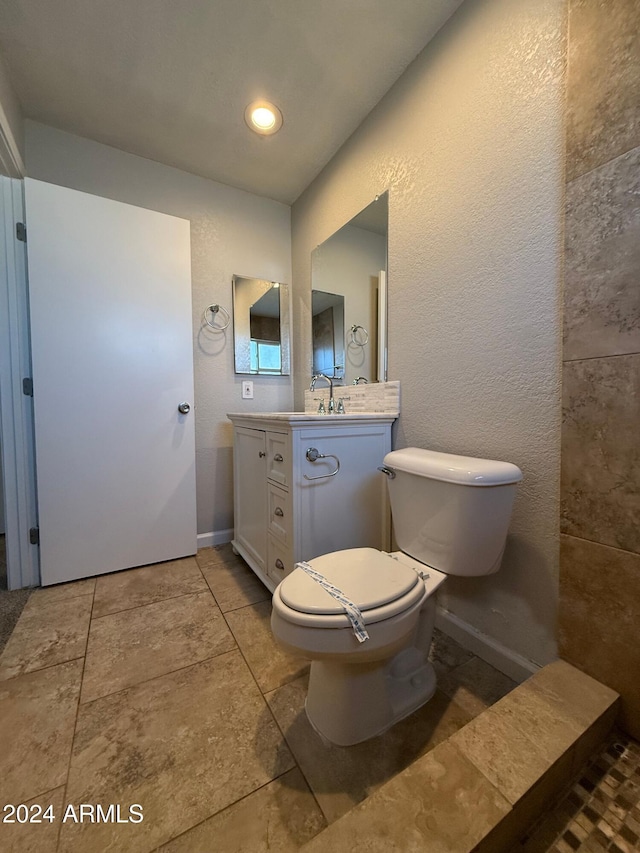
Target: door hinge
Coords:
[(27, 387), (34, 536), (21, 231)]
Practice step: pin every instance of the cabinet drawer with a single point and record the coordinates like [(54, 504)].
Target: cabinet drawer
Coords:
[(279, 514), (278, 458), (279, 560)]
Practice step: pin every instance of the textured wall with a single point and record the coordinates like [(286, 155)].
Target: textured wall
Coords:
[(600, 555), (231, 232), (469, 143)]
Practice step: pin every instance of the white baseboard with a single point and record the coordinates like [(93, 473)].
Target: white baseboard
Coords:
[(214, 537), (507, 661)]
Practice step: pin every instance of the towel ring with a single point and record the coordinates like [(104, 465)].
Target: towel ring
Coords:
[(361, 339), (313, 454), (216, 309)]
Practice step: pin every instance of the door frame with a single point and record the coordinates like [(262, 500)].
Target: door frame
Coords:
[(16, 409)]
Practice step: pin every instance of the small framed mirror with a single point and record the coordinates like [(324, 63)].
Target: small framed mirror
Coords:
[(261, 326)]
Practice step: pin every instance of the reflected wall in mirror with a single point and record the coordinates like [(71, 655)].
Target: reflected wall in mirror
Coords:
[(261, 328), (348, 280), (327, 310)]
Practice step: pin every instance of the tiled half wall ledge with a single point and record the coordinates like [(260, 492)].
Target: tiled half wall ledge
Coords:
[(382, 397), (480, 790)]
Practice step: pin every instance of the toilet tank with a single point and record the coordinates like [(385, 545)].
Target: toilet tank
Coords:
[(451, 512)]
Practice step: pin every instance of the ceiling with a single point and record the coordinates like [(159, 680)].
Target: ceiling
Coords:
[(169, 79)]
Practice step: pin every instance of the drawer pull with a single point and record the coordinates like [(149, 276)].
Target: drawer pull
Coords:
[(278, 457), (261, 454), (279, 564), (278, 511)]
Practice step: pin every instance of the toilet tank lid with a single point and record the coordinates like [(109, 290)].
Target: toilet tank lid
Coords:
[(464, 470)]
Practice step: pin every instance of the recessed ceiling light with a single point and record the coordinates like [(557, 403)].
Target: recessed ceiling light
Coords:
[(263, 118)]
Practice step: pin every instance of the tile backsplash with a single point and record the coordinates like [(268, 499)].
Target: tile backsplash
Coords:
[(383, 397)]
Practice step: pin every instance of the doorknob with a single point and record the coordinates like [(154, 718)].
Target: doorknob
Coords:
[(184, 408)]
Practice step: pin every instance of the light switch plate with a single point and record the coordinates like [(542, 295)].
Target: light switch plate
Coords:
[(247, 390)]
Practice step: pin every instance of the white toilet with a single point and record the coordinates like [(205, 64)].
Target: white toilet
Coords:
[(451, 515)]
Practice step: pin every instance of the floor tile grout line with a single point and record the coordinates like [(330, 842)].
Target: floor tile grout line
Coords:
[(41, 669), (268, 707), (178, 669), (157, 601), (304, 775), (242, 606), (230, 805), (161, 675), (75, 722), (60, 600), (290, 748), (28, 616), (278, 726), (263, 692)]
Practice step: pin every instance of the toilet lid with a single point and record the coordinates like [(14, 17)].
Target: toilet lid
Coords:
[(367, 577)]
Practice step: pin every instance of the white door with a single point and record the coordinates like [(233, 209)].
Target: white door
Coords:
[(111, 333)]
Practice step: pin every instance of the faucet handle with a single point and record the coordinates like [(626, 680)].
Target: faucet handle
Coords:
[(321, 408), (341, 410)]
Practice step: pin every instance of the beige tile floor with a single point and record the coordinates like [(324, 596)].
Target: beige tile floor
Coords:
[(162, 686)]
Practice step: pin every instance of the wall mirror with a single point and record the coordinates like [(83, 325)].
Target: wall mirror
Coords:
[(261, 326), (349, 298)]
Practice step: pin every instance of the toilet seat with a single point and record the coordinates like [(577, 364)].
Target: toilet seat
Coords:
[(378, 584)]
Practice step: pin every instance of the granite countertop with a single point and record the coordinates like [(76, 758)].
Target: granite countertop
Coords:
[(312, 417)]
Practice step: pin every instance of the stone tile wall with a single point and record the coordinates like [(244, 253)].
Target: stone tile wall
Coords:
[(383, 397), (600, 549)]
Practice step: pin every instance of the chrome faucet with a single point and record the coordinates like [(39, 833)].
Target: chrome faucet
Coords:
[(330, 381)]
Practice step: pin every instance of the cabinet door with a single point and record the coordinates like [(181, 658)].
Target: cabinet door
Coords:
[(350, 509), (251, 493)]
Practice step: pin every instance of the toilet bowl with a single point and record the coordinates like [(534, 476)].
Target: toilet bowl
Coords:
[(358, 690), (451, 515)]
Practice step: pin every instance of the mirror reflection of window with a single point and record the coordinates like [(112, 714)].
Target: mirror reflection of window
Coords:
[(261, 326), (264, 328), (265, 357)]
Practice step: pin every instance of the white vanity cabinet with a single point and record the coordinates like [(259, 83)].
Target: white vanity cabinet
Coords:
[(289, 508)]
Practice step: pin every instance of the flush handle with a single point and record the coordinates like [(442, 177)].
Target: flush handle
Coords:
[(388, 471)]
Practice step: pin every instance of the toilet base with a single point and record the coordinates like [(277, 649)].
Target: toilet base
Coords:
[(350, 703)]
